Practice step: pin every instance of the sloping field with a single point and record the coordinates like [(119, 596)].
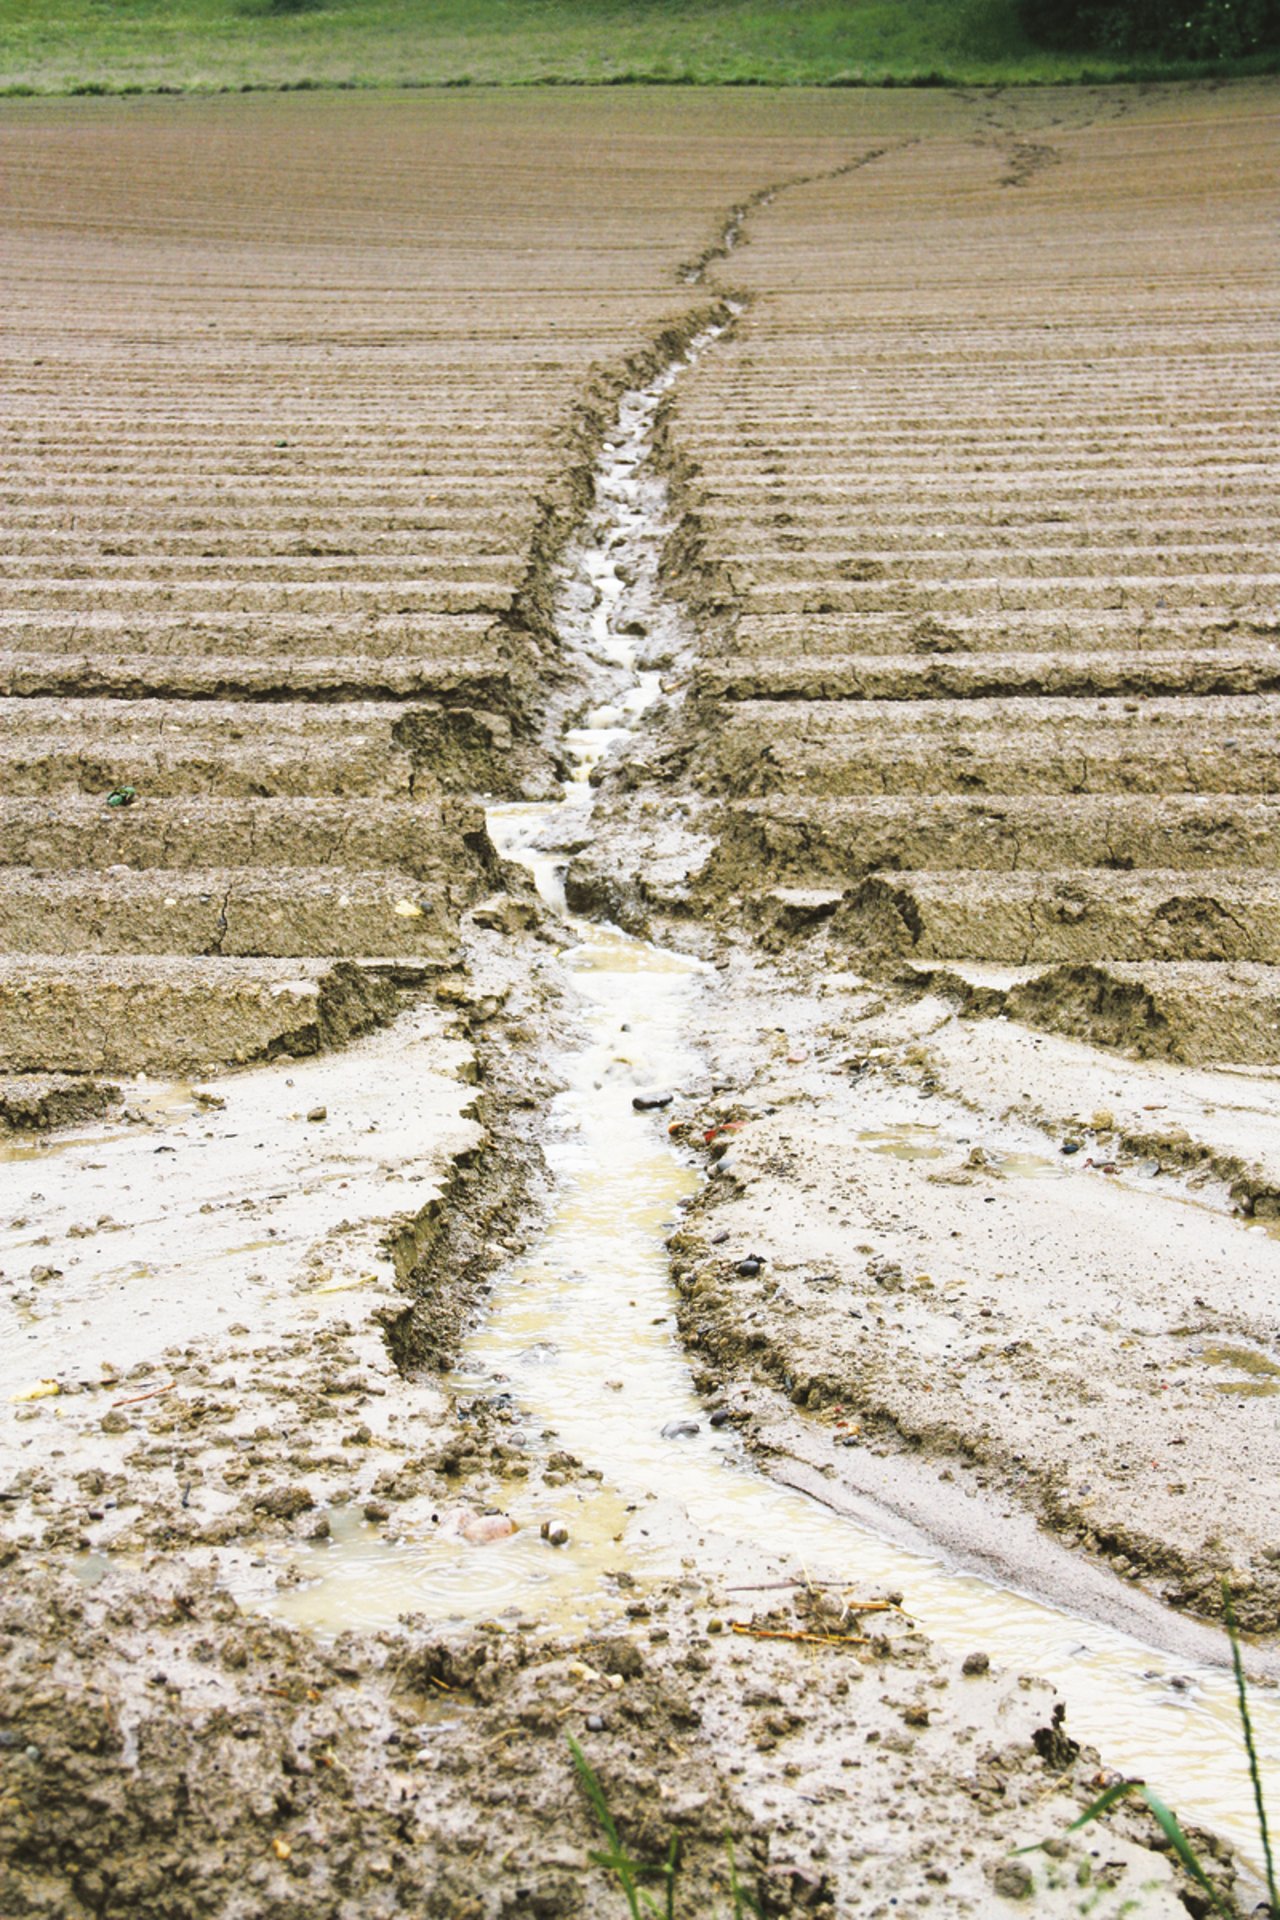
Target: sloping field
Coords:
[(916, 633), (299, 400), (987, 478), (980, 707)]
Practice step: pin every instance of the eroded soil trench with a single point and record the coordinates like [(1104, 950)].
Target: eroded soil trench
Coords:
[(580, 1340), (800, 1383)]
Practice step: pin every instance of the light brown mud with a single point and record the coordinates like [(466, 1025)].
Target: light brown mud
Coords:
[(288, 570), (923, 754)]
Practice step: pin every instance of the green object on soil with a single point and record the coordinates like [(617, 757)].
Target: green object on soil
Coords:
[(630, 1873), (81, 46), (121, 797), (1167, 1821)]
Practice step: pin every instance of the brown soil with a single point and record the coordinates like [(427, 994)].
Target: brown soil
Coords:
[(979, 701), (975, 721)]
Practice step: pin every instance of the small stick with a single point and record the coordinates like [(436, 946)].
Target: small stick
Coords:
[(854, 1606), (152, 1394), (817, 1639)]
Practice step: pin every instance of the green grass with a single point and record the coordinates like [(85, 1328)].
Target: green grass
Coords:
[(630, 1874), (109, 46), (1168, 1821)]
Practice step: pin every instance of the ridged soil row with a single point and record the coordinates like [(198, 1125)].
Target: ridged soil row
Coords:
[(281, 523), (981, 698), (979, 495)]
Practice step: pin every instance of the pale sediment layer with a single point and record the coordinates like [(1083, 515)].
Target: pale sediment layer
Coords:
[(88, 1014), (296, 457), (979, 695), (974, 1250)]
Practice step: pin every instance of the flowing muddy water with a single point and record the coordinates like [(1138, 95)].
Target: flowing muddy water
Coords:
[(580, 1342)]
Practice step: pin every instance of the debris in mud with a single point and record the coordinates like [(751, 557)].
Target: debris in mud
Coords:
[(177, 1753), (479, 1529), (680, 1429), (1054, 1745)]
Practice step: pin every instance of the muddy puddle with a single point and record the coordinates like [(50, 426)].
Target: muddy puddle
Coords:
[(581, 1339), (580, 1348)]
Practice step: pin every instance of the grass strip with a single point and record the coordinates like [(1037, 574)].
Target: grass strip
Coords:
[(212, 46)]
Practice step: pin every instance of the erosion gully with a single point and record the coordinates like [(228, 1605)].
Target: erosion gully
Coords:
[(580, 1340)]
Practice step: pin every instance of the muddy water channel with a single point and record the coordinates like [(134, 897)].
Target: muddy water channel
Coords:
[(580, 1340)]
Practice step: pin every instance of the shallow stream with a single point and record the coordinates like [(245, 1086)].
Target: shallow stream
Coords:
[(580, 1336)]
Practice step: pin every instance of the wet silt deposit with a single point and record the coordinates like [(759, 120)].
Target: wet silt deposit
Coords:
[(638, 1014)]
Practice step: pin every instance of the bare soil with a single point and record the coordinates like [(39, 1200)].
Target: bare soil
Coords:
[(964, 783), (962, 743)]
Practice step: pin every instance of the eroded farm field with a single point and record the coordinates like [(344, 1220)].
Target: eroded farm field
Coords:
[(417, 1298)]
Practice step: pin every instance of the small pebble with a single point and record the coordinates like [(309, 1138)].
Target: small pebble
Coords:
[(749, 1267), (651, 1102), (975, 1663), (680, 1429), (1071, 1146), (318, 1113), (718, 1239), (720, 1417), (595, 1723)]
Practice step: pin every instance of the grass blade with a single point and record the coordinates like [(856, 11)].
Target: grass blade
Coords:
[(595, 1794), (1168, 1824), (616, 1859), (1093, 1811), (742, 1900), (1255, 1771), (1182, 1847)]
